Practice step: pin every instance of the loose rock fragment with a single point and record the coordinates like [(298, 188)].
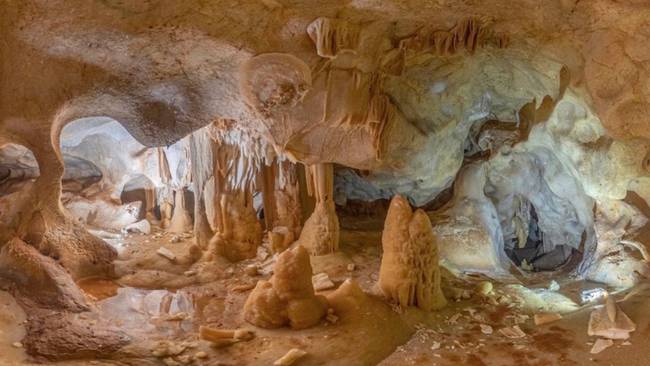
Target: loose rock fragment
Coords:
[(544, 318), (321, 282), (290, 357), (218, 335), (513, 332), (243, 288), (484, 288), (610, 322), (251, 270), (166, 253), (600, 345), (486, 329)]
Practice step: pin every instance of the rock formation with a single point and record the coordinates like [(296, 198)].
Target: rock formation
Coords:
[(409, 273), (288, 297), (520, 128), (320, 234)]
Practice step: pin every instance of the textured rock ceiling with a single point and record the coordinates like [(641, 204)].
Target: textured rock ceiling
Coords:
[(404, 93)]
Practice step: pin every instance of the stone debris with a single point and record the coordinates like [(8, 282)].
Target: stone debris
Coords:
[(251, 270), (200, 355), (190, 273), (484, 288), (243, 288), (224, 337), (162, 251), (351, 267), (167, 348), (554, 286), (331, 317), (545, 318), (290, 357), (486, 329), (177, 316), (435, 345), (321, 282), (142, 226), (454, 318), (175, 239), (513, 332), (17, 345), (600, 345), (610, 322)]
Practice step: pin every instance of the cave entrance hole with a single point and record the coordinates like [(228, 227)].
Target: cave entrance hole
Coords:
[(527, 248)]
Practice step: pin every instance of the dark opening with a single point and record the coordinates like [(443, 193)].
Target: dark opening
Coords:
[(530, 254)]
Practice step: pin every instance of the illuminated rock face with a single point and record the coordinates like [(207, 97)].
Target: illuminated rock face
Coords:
[(409, 272)]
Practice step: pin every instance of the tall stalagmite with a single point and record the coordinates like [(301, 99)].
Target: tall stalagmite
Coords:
[(409, 272)]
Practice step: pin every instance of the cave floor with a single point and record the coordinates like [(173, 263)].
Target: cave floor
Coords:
[(155, 315)]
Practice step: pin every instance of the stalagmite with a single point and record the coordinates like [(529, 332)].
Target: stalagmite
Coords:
[(240, 233), (409, 272), (282, 210), (320, 234), (166, 202), (288, 298), (181, 221)]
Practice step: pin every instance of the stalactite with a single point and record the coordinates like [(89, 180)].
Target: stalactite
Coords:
[(282, 210), (320, 235), (166, 199), (468, 34), (238, 233), (200, 154)]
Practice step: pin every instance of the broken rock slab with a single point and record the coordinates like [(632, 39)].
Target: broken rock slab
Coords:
[(162, 251), (290, 357), (513, 332), (610, 322), (601, 345), (142, 226), (322, 282)]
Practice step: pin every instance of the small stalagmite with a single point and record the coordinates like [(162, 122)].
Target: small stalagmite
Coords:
[(240, 233), (320, 235), (181, 220), (288, 298), (409, 272)]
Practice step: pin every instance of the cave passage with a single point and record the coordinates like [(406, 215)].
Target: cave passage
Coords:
[(527, 249)]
